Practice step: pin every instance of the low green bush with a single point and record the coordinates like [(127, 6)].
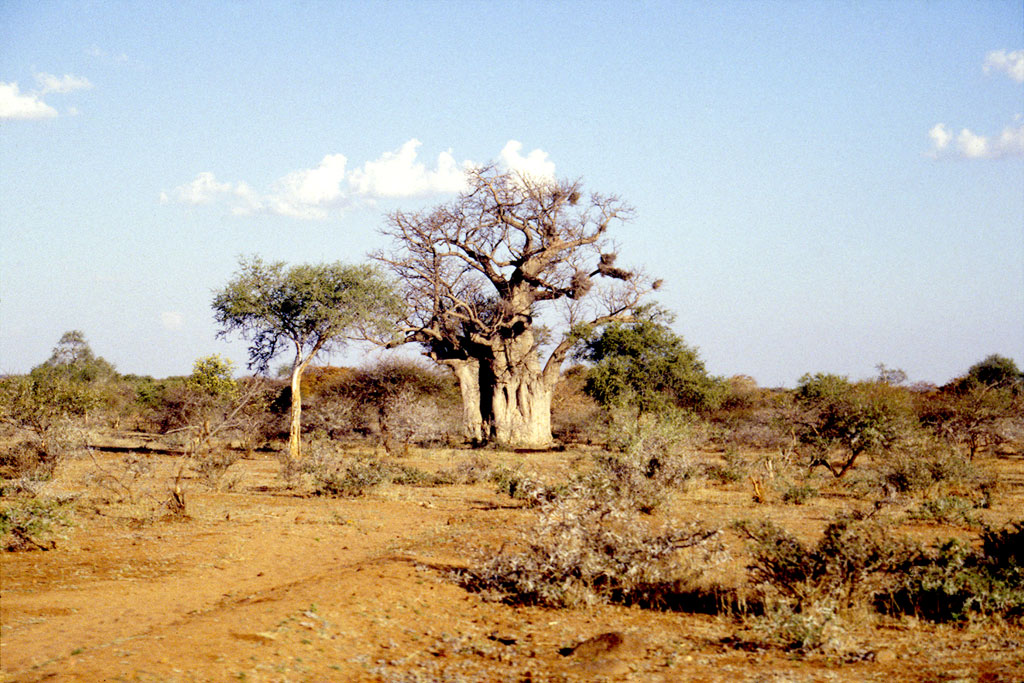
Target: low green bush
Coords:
[(31, 524), (954, 582)]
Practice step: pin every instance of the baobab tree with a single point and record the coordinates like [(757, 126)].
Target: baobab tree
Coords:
[(477, 275)]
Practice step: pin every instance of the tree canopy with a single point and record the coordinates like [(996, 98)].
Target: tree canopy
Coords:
[(308, 308), (646, 365)]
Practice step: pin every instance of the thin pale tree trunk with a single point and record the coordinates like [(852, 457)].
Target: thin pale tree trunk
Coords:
[(295, 431)]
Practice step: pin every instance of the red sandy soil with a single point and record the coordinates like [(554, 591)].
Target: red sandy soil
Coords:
[(264, 584)]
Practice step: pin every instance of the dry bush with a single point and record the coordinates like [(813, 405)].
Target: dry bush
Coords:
[(472, 471), (651, 457), (211, 468), (126, 479), (584, 550), (575, 417), (410, 417), (807, 591), (526, 486), (752, 417)]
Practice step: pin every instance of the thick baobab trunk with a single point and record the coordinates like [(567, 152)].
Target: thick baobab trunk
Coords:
[(467, 372), (521, 411), (518, 395)]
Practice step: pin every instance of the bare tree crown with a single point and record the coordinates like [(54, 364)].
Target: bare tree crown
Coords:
[(474, 270)]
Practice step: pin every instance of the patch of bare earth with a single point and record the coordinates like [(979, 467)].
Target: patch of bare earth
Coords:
[(261, 584)]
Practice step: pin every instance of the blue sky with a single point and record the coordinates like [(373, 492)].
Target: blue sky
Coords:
[(824, 186)]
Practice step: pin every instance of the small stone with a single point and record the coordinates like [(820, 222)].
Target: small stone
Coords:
[(606, 643), (885, 656), (262, 637)]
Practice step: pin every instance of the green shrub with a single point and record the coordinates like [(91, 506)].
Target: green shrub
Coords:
[(798, 494), (952, 582), (852, 418), (954, 510), (848, 564), (29, 524)]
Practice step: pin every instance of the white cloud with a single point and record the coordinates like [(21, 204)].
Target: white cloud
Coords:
[(535, 165), (314, 193), (970, 145), (171, 320), (399, 174), (940, 136), (203, 190), (17, 105), (320, 186), (61, 84), (1011, 63)]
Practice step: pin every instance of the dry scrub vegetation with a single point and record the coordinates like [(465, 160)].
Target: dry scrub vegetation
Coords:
[(160, 530)]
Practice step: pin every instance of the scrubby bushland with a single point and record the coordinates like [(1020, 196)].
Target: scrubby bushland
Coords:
[(647, 460), (584, 550), (859, 566), (46, 407), (408, 402), (754, 417), (400, 402), (953, 581), (575, 416)]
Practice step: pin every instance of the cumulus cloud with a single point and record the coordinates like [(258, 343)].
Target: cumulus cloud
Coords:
[(314, 193), (970, 145), (171, 320), (534, 165), (1010, 63), (203, 190), (61, 84), (399, 174), (17, 105)]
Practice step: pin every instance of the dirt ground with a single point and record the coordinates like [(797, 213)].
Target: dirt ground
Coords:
[(262, 584)]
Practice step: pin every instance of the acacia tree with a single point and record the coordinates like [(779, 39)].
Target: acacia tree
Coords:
[(478, 273), (309, 307)]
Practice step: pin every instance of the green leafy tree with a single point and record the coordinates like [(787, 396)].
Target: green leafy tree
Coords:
[(972, 411), (73, 357), (996, 371), (648, 366), (853, 417), (66, 385), (213, 376), (308, 308)]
